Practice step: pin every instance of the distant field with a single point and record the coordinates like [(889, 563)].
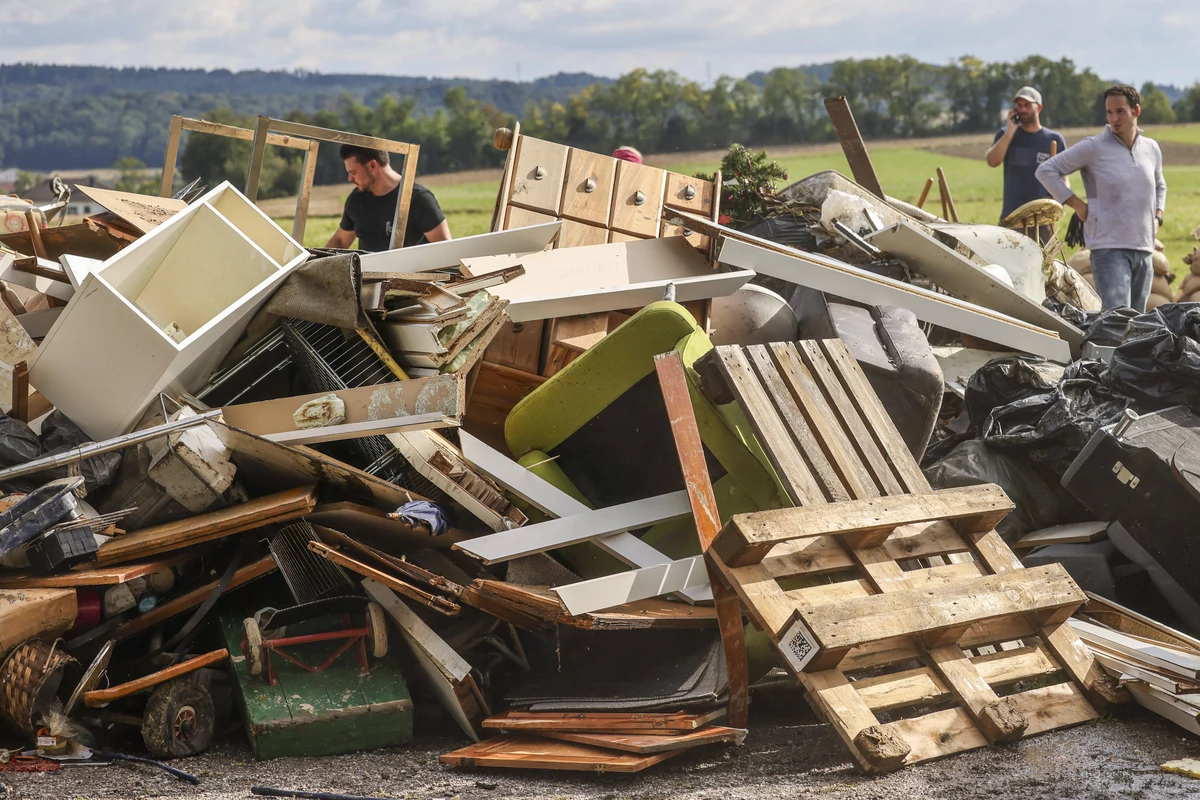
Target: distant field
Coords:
[(902, 169)]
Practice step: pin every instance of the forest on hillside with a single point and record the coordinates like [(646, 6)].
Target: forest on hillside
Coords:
[(657, 111)]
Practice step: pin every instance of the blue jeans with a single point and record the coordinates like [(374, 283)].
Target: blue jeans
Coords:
[(1123, 277)]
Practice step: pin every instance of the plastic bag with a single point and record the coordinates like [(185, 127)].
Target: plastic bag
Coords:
[(1039, 503), (1108, 329), (60, 434), (1049, 421), (1158, 364), (846, 209)]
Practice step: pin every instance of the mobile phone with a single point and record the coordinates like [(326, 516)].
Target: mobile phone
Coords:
[(1014, 115)]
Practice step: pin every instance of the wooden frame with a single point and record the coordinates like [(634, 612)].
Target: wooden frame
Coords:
[(408, 172), (180, 124)]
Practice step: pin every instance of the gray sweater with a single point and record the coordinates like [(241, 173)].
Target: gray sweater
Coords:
[(1124, 188)]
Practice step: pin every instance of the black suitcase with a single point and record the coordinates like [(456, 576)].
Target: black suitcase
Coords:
[(1146, 476)]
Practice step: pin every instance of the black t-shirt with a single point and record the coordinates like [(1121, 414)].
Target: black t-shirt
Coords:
[(1025, 154), (370, 217)]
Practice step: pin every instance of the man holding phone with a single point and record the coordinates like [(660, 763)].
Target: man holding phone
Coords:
[(1021, 146)]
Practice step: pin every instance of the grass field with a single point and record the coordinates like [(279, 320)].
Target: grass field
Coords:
[(976, 188)]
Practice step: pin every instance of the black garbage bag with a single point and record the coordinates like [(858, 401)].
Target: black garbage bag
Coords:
[(1158, 364), (1039, 502), (1108, 329), (1006, 380), (18, 443), (1072, 314), (1048, 422), (60, 434)]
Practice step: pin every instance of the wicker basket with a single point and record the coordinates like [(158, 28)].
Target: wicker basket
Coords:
[(29, 680)]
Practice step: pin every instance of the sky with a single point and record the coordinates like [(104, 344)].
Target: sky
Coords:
[(1133, 42)]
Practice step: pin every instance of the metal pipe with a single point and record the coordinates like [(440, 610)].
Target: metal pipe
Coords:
[(268, 791), (99, 448)]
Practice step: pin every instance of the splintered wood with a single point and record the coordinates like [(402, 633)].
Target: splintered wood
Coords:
[(874, 570)]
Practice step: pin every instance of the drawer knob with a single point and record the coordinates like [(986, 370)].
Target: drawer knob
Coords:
[(589, 185), (639, 197), (539, 173), (689, 192)]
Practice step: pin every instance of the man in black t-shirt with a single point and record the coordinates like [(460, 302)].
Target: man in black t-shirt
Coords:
[(371, 206), (1021, 146)]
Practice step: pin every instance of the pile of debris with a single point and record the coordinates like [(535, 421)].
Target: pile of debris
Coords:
[(545, 474)]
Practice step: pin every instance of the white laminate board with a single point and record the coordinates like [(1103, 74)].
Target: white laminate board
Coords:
[(844, 280), (626, 547), (443, 255), (966, 280), (357, 430), (564, 531), (684, 575), (78, 267)]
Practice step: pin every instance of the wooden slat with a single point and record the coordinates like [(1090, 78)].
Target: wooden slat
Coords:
[(791, 468), (1051, 707), (1046, 590), (923, 686), (747, 538), (604, 721), (522, 752), (100, 697), (96, 576), (847, 413), (801, 434), (183, 602), (278, 507), (678, 401), (649, 743), (812, 403), (877, 420), (939, 734), (440, 604), (842, 706)]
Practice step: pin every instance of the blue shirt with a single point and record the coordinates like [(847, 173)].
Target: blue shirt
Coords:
[(1025, 152)]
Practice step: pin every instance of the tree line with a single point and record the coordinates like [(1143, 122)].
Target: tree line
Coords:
[(656, 111)]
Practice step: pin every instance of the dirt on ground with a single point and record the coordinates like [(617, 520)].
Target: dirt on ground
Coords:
[(788, 754)]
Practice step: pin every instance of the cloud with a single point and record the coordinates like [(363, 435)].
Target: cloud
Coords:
[(487, 38)]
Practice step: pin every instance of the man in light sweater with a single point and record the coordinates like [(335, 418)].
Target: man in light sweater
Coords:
[(1123, 177)]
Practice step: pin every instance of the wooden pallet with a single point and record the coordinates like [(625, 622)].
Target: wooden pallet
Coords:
[(876, 588)]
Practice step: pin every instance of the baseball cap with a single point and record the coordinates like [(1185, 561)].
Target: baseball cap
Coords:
[(1029, 93)]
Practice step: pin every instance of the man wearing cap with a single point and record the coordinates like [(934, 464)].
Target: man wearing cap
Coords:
[(1021, 145)]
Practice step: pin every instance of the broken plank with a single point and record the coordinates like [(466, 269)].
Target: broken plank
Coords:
[(447, 674), (278, 507), (440, 604), (747, 538), (604, 721), (35, 613), (195, 597), (649, 743), (521, 752), (100, 697), (672, 381), (92, 576)]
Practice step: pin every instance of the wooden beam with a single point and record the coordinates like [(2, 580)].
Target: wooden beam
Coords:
[(100, 697), (747, 538), (947, 199), (278, 507), (852, 145), (940, 616), (20, 392), (677, 398), (192, 599), (925, 193)]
